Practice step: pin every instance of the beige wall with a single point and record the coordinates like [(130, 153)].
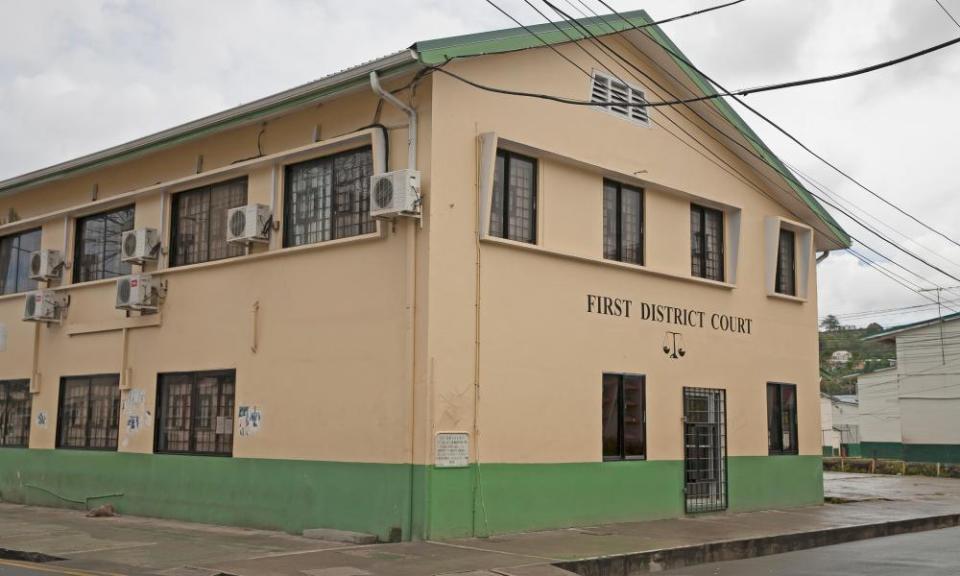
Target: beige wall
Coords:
[(490, 319), (541, 354), (331, 372)]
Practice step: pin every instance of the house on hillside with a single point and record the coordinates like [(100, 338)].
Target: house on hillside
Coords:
[(840, 358), (910, 411), (389, 301)]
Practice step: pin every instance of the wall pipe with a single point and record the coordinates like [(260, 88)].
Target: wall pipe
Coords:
[(411, 114), (410, 285)]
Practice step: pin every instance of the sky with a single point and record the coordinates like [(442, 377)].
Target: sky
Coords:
[(77, 76)]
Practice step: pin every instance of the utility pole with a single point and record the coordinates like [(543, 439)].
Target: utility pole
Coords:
[(938, 289)]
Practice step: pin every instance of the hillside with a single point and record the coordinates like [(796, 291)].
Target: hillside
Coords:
[(840, 378)]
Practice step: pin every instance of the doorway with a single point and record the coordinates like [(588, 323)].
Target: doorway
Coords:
[(705, 449)]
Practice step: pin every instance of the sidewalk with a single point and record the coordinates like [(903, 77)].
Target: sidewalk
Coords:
[(873, 505)]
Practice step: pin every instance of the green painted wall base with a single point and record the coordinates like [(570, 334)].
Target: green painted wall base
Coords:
[(288, 495), (943, 453), (519, 497), (882, 450), (292, 495)]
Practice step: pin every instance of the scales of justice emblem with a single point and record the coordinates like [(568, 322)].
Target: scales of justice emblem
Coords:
[(673, 345)]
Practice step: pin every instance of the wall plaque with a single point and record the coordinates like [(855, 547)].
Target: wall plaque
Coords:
[(452, 450)]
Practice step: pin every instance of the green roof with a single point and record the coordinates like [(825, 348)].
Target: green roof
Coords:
[(429, 52), (911, 326), (434, 52)]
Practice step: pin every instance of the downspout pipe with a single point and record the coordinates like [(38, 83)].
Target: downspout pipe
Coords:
[(823, 256), (411, 114), (411, 289)]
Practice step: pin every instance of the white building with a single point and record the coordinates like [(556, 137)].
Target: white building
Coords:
[(911, 411), (839, 424), (840, 357)]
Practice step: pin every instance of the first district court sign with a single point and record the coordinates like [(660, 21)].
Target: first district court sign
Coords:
[(452, 450)]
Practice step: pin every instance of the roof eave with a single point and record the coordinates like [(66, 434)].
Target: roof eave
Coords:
[(304, 95)]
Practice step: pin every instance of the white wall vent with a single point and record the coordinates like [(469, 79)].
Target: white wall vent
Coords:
[(627, 101), (45, 306), (139, 245), (250, 223), (395, 193), (45, 264)]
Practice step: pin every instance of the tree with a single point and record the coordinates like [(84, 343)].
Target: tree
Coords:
[(873, 328), (830, 323)]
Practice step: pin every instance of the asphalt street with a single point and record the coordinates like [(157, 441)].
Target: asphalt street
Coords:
[(933, 553)]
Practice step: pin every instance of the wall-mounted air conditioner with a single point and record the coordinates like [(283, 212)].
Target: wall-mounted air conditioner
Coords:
[(250, 223), (140, 245), (395, 193), (139, 292), (45, 264), (45, 306)]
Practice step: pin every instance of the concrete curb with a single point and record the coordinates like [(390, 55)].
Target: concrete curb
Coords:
[(666, 559)]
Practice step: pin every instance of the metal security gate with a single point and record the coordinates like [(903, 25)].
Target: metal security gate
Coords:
[(705, 449)]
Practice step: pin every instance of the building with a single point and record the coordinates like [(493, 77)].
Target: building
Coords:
[(840, 424), (878, 396), (598, 318), (840, 358), (910, 411)]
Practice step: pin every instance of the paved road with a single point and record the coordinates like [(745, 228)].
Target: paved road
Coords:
[(18, 568), (933, 553)]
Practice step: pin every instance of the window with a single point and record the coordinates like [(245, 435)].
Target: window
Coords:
[(89, 415), (782, 418), (200, 222), (195, 412), (97, 251), (624, 425), (513, 214), (328, 198), (706, 242), (627, 101), (786, 281), (14, 413), (15, 252), (622, 223)]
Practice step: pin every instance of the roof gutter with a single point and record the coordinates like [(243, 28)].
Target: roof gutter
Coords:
[(301, 96)]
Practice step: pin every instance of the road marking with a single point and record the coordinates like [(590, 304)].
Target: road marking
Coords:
[(39, 568)]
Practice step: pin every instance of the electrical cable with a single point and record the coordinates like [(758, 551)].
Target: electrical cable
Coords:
[(770, 122), (807, 81), (596, 40), (564, 100), (947, 12)]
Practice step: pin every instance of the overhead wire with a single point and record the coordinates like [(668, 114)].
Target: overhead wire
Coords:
[(947, 12), (586, 33), (771, 123), (607, 53)]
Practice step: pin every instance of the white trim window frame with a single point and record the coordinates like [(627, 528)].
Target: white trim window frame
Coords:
[(605, 89)]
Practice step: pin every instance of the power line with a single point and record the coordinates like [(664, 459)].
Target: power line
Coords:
[(808, 81), (565, 100), (947, 12), (742, 102), (586, 31)]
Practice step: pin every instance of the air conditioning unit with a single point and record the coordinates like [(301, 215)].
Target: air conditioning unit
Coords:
[(138, 292), (45, 264), (395, 193), (45, 306), (250, 223), (140, 245)]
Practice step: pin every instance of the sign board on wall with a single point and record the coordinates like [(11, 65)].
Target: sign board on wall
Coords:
[(452, 450)]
